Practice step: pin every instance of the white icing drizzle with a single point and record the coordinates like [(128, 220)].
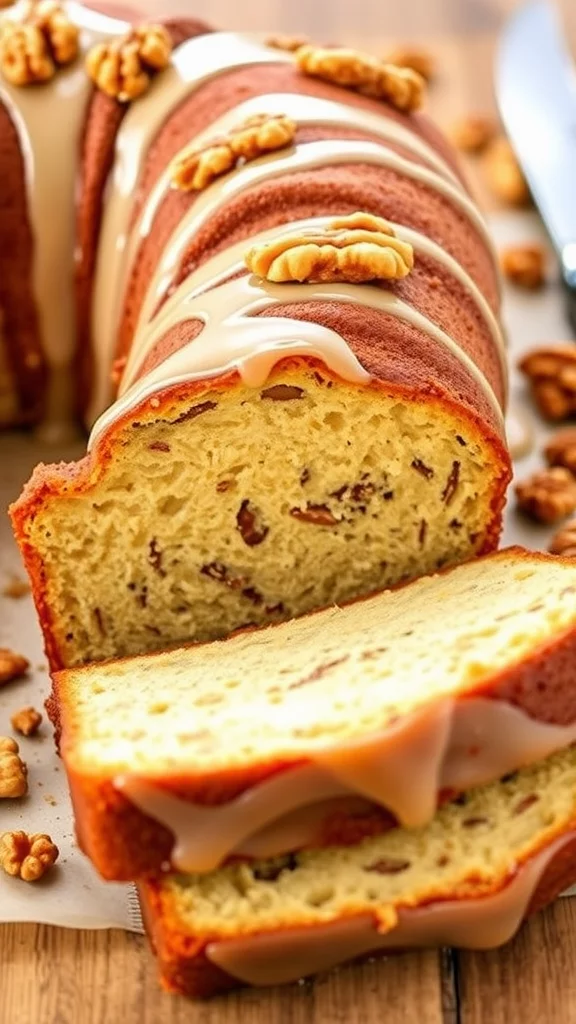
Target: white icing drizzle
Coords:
[(233, 337), (230, 261), (457, 744), (305, 156), (481, 922), (193, 63), (49, 120), (305, 110)]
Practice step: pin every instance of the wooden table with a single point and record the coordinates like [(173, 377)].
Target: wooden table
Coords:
[(53, 976)]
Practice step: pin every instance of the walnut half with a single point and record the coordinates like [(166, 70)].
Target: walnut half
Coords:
[(13, 771), (548, 495), (402, 87), (123, 68), (359, 247), (26, 856)]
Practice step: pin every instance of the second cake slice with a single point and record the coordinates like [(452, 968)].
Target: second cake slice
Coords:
[(325, 729)]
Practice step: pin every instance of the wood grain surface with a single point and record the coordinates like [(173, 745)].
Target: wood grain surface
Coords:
[(54, 976)]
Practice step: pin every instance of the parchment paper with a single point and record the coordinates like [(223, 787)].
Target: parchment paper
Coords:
[(72, 895)]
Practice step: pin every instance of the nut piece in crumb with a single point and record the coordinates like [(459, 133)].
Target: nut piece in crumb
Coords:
[(551, 371), (16, 588), (123, 68), (27, 856), (197, 166), (403, 88), (564, 540), (414, 57), (12, 665), (503, 174), (561, 449), (548, 495), (26, 721), (473, 133), (13, 771), (354, 248), (287, 43), (525, 265)]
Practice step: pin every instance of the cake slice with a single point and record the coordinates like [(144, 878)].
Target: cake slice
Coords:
[(467, 879), (324, 729)]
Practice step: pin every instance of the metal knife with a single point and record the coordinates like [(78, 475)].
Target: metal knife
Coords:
[(536, 90)]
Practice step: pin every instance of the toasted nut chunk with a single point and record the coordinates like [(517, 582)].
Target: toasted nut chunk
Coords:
[(414, 57), (525, 265), (16, 588), (548, 495), (12, 665), (287, 43), (355, 248), (551, 371), (473, 133), (24, 55), (564, 540), (27, 721), (27, 856), (123, 68), (402, 87), (561, 449), (503, 173), (197, 166), (61, 35), (13, 771)]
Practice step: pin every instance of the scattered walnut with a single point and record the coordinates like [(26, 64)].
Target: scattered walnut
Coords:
[(561, 449), (27, 856), (197, 166), (564, 540), (402, 87), (27, 721), (414, 57), (123, 67), (318, 515), (473, 133), (503, 173), (548, 495), (287, 43), (525, 265), (12, 665), (551, 371), (61, 35), (356, 248), (13, 771), (250, 525), (16, 588)]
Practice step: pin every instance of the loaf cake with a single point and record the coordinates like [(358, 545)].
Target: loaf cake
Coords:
[(466, 879), (275, 441), (323, 729)]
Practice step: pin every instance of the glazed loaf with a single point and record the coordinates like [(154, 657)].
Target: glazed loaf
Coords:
[(467, 879), (324, 729), (277, 444)]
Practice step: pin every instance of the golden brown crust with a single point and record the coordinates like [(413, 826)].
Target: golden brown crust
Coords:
[(125, 844)]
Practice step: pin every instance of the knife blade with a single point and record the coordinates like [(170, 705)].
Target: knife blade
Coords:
[(536, 90)]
